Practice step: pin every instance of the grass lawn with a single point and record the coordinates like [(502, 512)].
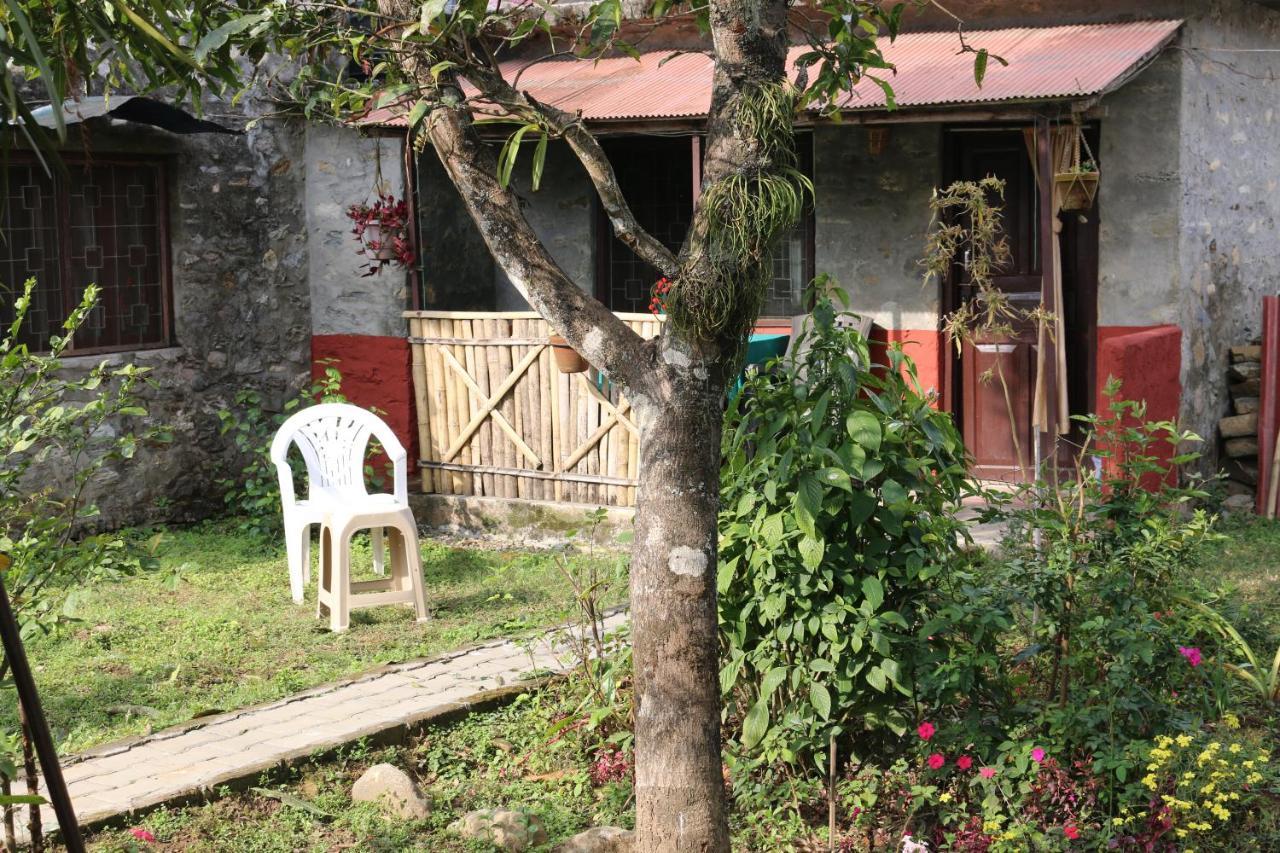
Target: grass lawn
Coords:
[(1247, 559), (148, 653), (497, 759)]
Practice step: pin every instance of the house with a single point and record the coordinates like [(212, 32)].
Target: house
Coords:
[(228, 262)]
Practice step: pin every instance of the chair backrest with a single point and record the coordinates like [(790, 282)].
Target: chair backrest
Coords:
[(333, 438)]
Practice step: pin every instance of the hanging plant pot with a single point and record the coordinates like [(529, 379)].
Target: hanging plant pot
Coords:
[(1077, 189), (567, 358), (375, 245)]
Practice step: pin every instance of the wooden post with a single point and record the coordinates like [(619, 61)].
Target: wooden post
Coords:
[(1048, 290)]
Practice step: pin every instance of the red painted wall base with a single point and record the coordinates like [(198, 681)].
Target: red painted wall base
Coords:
[(1148, 362), (376, 373), (925, 347)]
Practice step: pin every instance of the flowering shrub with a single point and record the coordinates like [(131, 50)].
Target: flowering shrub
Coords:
[(382, 228), (1200, 788), (610, 765), (658, 302)]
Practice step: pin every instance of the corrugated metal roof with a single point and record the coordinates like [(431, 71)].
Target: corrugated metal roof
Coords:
[(1044, 63)]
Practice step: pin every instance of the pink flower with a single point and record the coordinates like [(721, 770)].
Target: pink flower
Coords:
[(964, 762), (987, 772), (925, 730), (1192, 654), (1037, 755), (936, 761), (1071, 832), (141, 834)]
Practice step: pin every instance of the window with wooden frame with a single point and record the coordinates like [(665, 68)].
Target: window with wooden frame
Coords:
[(656, 175), (100, 221)]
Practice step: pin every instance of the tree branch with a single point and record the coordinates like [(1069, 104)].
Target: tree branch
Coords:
[(591, 328), (586, 147)]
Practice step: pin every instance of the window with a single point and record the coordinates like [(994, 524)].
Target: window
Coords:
[(101, 222), (656, 177)]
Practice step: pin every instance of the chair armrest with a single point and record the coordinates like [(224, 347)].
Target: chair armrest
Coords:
[(400, 462)]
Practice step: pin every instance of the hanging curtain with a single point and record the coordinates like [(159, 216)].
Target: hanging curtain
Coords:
[(1052, 342)]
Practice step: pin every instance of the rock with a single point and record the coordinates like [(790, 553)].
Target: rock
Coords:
[(392, 788), (1245, 370), (1238, 504), (1248, 352), (1237, 447), (1238, 425), (600, 839), (1244, 470), (1249, 388), (506, 830), (1235, 487), (1246, 405)]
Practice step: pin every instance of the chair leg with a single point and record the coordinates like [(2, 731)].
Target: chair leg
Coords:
[(339, 612), (306, 555), (294, 555), (324, 585), (379, 551), (411, 569)]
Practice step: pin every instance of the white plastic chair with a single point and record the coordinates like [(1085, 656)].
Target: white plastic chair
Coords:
[(333, 438)]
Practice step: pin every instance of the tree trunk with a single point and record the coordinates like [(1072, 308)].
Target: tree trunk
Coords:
[(680, 802)]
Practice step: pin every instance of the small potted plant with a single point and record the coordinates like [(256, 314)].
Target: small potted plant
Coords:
[(1078, 185), (382, 229), (568, 359)]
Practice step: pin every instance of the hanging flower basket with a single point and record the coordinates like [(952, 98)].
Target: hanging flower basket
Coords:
[(568, 360), (1077, 189), (382, 229), (1076, 179)]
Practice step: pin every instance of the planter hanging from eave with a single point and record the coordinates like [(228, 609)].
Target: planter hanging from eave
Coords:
[(1076, 181)]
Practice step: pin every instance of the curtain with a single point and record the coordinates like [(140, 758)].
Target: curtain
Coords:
[(1052, 342)]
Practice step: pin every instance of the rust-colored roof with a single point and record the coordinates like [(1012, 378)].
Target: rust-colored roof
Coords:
[(1044, 63)]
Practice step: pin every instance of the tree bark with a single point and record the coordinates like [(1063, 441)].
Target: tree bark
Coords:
[(680, 802)]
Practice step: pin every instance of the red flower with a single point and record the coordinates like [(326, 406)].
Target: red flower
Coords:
[(987, 772), (936, 761), (1071, 832), (964, 762), (1037, 755), (925, 730), (141, 834), (1192, 654)]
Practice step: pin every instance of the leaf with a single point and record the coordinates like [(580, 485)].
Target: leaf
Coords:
[(980, 67), (820, 699), (864, 429), (772, 680), (892, 492), (219, 36), (873, 592), (811, 551), (431, 10), (296, 802), (876, 678), (836, 477), (808, 501), (539, 161), (21, 800), (756, 724), (419, 110)]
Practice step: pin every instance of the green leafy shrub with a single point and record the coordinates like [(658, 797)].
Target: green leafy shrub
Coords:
[(1096, 572), (839, 491), (59, 428)]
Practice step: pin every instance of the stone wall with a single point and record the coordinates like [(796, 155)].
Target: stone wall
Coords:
[(241, 305), (1227, 192)]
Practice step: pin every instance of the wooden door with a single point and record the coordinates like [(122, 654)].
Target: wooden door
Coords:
[(997, 374)]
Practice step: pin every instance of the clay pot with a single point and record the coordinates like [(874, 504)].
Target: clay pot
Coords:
[(373, 234), (567, 358)]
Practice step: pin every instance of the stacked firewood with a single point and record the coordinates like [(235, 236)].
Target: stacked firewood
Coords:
[(1239, 429)]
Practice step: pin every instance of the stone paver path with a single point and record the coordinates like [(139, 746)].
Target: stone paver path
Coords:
[(190, 762)]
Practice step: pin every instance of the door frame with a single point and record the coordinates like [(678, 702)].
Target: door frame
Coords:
[(1080, 255)]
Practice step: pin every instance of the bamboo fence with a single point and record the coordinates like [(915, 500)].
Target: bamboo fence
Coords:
[(497, 419)]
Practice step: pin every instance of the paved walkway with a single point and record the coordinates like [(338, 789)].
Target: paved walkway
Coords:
[(189, 762)]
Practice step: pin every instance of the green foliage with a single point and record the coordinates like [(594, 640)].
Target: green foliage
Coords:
[(253, 495), (839, 490), (1096, 573), (59, 428)]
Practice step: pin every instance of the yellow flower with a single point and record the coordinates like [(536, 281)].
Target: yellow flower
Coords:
[(1117, 821), (1164, 740), (1235, 748), (1184, 741), (1182, 833), (1248, 765), (1253, 778), (1207, 788), (1150, 781), (944, 797), (1232, 721)]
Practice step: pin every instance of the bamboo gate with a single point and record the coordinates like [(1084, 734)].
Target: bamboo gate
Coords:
[(497, 419)]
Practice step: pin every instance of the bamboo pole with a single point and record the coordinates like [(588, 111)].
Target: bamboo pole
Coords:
[(461, 395), (473, 404), (521, 400), (484, 435), (556, 433), (440, 403), (421, 409), (548, 393), (509, 488), (533, 418)]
